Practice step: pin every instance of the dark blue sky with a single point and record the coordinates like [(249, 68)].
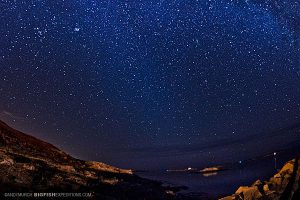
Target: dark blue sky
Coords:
[(151, 84)]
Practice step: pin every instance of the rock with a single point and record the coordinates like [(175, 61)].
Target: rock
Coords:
[(228, 198), (104, 167), (266, 188), (112, 181), (288, 167), (67, 168), (283, 185), (248, 193), (90, 174), (276, 176), (7, 161), (257, 183), (28, 167)]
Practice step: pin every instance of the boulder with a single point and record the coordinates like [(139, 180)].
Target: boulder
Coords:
[(248, 193)]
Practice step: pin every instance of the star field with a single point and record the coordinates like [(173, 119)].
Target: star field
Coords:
[(129, 82)]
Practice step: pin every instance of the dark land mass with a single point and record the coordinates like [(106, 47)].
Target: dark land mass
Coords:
[(28, 164)]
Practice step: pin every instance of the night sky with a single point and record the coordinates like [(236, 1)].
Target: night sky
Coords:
[(152, 84)]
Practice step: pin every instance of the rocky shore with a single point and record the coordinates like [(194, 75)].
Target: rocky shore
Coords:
[(282, 186)]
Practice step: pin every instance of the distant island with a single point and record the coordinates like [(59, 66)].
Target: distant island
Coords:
[(206, 170)]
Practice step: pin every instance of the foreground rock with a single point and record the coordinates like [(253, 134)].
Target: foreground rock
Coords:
[(282, 186), (31, 165)]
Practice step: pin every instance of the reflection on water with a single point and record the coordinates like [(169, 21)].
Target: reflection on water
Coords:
[(210, 174), (217, 184)]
